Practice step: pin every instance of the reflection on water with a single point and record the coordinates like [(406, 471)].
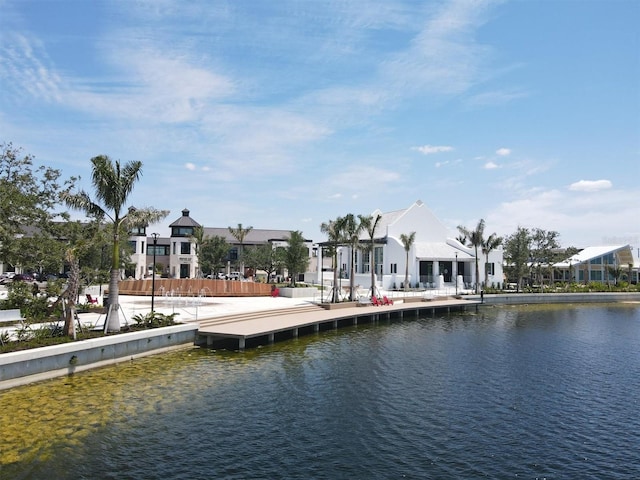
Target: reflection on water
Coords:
[(532, 390)]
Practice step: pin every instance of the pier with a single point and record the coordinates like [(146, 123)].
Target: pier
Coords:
[(251, 329)]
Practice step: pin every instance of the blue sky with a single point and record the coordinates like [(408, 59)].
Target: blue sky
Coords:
[(287, 114)]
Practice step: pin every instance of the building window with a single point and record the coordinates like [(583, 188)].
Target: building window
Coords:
[(394, 268), (490, 268), (159, 249), (181, 231), (185, 248), (233, 254), (132, 246), (138, 231), (174, 248)]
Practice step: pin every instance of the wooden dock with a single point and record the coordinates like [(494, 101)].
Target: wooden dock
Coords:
[(240, 331)]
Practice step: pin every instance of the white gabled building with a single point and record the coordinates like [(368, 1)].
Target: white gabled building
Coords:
[(436, 260)]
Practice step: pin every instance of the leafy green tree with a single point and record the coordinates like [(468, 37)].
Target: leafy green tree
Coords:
[(407, 242), (517, 251), (265, 257), (476, 240), (29, 206), (544, 245), (489, 245), (351, 229), (212, 253), (369, 224), (334, 234), (113, 184), (240, 234), (296, 256)]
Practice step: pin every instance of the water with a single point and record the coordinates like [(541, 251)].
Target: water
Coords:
[(513, 392)]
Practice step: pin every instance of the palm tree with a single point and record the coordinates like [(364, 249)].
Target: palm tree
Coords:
[(332, 230), (351, 230), (407, 242), (489, 245), (240, 234), (113, 184), (476, 240), (370, 224), (198, 239)]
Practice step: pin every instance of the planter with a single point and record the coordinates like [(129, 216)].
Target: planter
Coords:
[(337, 306), (290, 292)]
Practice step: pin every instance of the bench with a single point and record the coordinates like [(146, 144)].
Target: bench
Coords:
[(11, 316), (363, 301)]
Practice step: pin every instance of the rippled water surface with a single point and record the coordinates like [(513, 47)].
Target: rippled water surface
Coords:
[(513, 392)]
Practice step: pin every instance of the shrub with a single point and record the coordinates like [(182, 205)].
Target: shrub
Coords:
[(155, 320)]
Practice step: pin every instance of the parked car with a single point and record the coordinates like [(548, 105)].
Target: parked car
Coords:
[(6, 277), (235, 276), (24, 277)]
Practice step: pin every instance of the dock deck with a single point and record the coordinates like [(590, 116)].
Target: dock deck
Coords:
[(271, 325)]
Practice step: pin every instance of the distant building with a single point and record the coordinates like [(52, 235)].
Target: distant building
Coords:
[(595, 264), (435, 259), (177, 253)]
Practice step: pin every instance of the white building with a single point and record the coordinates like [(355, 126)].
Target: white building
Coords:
[(436, 260), (177, 257), (594, 264)]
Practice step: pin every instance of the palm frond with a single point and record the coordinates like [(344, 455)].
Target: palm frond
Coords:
[(143, 217), (81, 201)]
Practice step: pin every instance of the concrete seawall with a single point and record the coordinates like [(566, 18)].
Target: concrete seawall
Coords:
[(27, 366), (525, 298)]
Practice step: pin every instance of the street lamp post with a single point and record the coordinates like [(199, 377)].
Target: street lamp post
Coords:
[(153, 274)]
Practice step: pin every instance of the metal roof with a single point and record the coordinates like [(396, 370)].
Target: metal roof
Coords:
[(623, 254)]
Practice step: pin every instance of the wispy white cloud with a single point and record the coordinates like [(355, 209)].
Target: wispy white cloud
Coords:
[(443, 57), (590, 185), (573, 216), (490, 166), (431, 149), (494, 98), (26, 69), (503, 152), (190, 166)]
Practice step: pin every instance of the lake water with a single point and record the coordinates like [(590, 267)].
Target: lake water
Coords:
[(507, 392)]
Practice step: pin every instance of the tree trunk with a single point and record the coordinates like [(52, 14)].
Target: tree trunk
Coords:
[(477, 270), (406, 272), (71, 294), (372, 266), (112, 323), (352, 277), (334, 296)]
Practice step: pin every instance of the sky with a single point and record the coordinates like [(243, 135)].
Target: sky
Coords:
[(287, 114)]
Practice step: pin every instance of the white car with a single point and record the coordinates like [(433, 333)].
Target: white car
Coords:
[(235, 276)]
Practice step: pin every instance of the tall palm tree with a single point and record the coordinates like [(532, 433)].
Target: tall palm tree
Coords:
[(489, 245), (198, 239), (351, 230), (370, 223), (240, 234), (407, 243), (332, 230), (113, 184), (476, 240)]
